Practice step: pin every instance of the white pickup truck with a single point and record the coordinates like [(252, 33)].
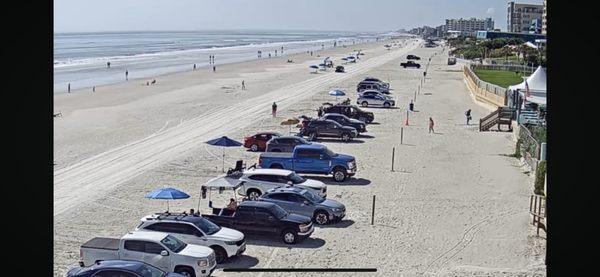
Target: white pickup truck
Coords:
[(155, 248)]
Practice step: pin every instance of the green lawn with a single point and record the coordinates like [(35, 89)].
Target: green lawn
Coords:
[(500, 77)]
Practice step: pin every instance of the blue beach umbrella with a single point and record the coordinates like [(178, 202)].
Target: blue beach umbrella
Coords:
[(224, 142), (337, 93), (167, 194)]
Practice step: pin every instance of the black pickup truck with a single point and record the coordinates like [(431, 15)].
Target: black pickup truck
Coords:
[(410, 64), (350, 111), (263, 218), (327, 128)]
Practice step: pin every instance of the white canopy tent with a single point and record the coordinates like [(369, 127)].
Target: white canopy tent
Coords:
[(537, 87)]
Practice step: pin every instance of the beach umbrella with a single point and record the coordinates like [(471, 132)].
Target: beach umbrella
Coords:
[(337, 93), (167, 194), (224, 142), (290, 122)]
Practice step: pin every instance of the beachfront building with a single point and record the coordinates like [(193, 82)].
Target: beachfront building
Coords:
[(533, 105), (524, 36), (544, 12), (471, 25), (440, 31), (520, 16)]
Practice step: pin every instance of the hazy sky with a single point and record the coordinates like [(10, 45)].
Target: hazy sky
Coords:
[(342, 15)]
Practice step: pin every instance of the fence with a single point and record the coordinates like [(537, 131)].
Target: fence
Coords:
[(505, 67), (529, 148), (537, 208), (485, 91)]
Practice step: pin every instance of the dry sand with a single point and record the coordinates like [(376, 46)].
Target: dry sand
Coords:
[(454, 206)]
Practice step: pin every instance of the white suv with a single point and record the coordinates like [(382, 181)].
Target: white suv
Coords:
[(375, 98), (257, 181), (194, 229)]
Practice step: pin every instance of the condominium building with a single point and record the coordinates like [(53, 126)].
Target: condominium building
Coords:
[(469, 25), (521, 16), (544, 18)]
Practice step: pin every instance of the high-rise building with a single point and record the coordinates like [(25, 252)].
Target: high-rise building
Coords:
[(471, 25), (520, 17), (544, 18)]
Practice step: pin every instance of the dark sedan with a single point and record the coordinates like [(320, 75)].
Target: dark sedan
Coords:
[(120, 268), (360, 126)]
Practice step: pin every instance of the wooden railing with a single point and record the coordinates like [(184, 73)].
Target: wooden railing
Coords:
[(537, 208), (502, 115)]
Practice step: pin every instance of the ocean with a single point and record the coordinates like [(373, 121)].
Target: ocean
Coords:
[(80, 59)]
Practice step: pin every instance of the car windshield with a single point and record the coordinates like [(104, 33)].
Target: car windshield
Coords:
[(279, 212), (312, 197), (207, 227), (295, 178), (150, 271), (173, 243), (330, 153)]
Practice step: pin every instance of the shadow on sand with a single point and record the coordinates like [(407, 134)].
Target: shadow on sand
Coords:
[(340, 224), (241, 261), (348, 182), (276, 242), (365, 136), (337, 140)]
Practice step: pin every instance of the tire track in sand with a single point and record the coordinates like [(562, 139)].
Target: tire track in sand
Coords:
[(97, 175)]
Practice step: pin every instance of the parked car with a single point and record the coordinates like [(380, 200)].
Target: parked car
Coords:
[(410, 64), (451, 60), (114, 268), (197, 230), (317, 128), (413, 57), (262, 218), (366, 85), (360, 126), (159, 249), (257, 181), (302, 201), (373, 79), (312, 159), (285, 143), (350, 111), (258, 142), (339, 69), (373, 99)]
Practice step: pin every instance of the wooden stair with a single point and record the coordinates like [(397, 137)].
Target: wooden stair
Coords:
[(501, 116)]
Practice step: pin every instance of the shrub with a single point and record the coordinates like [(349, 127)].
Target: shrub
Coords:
[(540, 177)]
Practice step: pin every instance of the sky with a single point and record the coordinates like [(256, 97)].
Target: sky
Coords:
[(321, 15)]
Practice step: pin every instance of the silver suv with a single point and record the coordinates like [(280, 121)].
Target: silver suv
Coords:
[(305, 202), (375, 98)]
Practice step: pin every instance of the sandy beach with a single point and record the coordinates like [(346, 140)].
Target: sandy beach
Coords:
[(455, 205)]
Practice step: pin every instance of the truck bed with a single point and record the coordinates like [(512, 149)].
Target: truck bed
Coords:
[(278, 155), (102, 243)]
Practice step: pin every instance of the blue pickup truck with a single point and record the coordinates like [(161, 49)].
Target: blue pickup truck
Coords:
[(311, 158)]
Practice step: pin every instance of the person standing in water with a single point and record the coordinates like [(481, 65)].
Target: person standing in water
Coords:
[(214, 68), (194, 66), (431, 125), (107, 64), (274, 109), (69, 88), (126, 75)]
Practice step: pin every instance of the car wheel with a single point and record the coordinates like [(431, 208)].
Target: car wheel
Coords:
[(220, 254), (364, 104), (254, 147), (339, 174), (345, 137), (253, 194), (321, 218), (289, 236), (386, 104), (185, 271)]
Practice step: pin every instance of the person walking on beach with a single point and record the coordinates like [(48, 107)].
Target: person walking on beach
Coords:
[(69, 88), (269, 54), (411, 106), (431, 125), (94, 89), (243, 85), (194, 66), (275, 52), (468, 114), (126, 75), (214, 68), (311, 53), (274, 109)]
